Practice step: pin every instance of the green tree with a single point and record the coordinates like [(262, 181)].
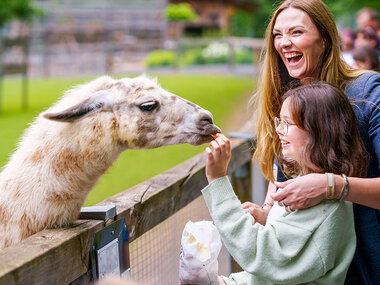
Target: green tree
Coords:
[(262, 16), (22, 10), (341, 7), (241, 24), (338, 8), (180, 12)]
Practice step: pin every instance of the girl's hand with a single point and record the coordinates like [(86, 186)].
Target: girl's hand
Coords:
[(260, 214), (301, 192), (218, 158)]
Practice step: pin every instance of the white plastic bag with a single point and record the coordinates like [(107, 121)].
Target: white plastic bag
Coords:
[(200, 247)]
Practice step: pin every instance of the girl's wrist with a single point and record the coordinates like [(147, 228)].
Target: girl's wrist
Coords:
[(213, 178)]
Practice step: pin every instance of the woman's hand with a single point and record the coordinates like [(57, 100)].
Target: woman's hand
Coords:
[(218, 158), (259, 213), (301, 192)]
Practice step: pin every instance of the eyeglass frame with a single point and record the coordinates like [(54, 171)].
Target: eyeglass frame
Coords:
[(283, 123)]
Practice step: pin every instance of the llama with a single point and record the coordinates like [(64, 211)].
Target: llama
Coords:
[(69, 146)]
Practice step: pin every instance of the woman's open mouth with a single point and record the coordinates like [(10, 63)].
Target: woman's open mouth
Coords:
[(293, 57)]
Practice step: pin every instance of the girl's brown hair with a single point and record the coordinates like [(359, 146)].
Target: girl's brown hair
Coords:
[(275, 78), (335, 145)]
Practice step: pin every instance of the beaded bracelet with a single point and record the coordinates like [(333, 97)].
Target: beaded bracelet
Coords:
[(346, 185), (330, 191)]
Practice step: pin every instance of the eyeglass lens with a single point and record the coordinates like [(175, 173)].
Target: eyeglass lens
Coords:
[(284, 125)]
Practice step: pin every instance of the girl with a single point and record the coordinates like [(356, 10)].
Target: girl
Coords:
[(319, 133)]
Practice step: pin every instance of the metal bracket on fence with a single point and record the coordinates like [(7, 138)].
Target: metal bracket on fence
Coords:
[(109, 253), (98, 212), (242, 171)]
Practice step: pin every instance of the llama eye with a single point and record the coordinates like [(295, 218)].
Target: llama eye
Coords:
[(148, 107)]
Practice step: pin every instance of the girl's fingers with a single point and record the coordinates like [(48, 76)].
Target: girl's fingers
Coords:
[(214, 144), (224, 138)]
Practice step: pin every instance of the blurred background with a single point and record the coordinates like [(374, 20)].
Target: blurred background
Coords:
[(207, 51)]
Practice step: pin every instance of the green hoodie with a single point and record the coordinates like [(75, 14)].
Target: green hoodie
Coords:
[(312, 246)]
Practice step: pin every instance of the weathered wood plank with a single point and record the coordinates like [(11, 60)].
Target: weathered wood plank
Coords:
[(53, 256), (59, 256)]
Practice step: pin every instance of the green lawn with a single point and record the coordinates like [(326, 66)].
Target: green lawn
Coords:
[(218, 94)]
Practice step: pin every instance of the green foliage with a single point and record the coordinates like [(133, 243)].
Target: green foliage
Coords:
[(160, 58), (341, 7), (180, 12), (214, 53), (22, 10), (192, 57), (262, 16), (243, 55), (337, 7), (218, 94), (241, 24), (213, 33)]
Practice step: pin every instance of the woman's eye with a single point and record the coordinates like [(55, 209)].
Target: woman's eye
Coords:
[(148, 107), (276, 35), (297, 32)]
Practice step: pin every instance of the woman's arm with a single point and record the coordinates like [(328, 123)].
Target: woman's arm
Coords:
[(309, 190)]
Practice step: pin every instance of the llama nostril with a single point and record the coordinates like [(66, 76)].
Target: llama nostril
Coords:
[(206, 119)]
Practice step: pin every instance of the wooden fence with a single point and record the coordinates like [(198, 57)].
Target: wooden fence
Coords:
[(61, 256)]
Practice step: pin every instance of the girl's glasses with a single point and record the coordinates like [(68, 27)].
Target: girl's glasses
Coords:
[(283, 124)]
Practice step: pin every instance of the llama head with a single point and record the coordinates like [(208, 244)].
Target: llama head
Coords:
[(143, 114)]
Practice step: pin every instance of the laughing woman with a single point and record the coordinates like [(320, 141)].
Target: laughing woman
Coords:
[(302, 41)]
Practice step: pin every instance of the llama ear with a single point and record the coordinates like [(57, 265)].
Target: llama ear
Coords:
[(96, 103)]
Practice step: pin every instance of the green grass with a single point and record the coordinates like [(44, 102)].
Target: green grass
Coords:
[(218, 94)]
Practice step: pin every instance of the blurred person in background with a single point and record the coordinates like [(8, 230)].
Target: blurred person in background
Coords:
[(367, 37), (367, 17), (366, 57), (347, 39)]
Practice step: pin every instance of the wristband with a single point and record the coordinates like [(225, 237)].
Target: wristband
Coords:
[(330, 191)]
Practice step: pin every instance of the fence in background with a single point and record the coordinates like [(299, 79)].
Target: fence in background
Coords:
[(128, 56), (155, 210), (14, 54)]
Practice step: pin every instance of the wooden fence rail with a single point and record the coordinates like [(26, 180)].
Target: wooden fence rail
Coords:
[(61, 256)]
